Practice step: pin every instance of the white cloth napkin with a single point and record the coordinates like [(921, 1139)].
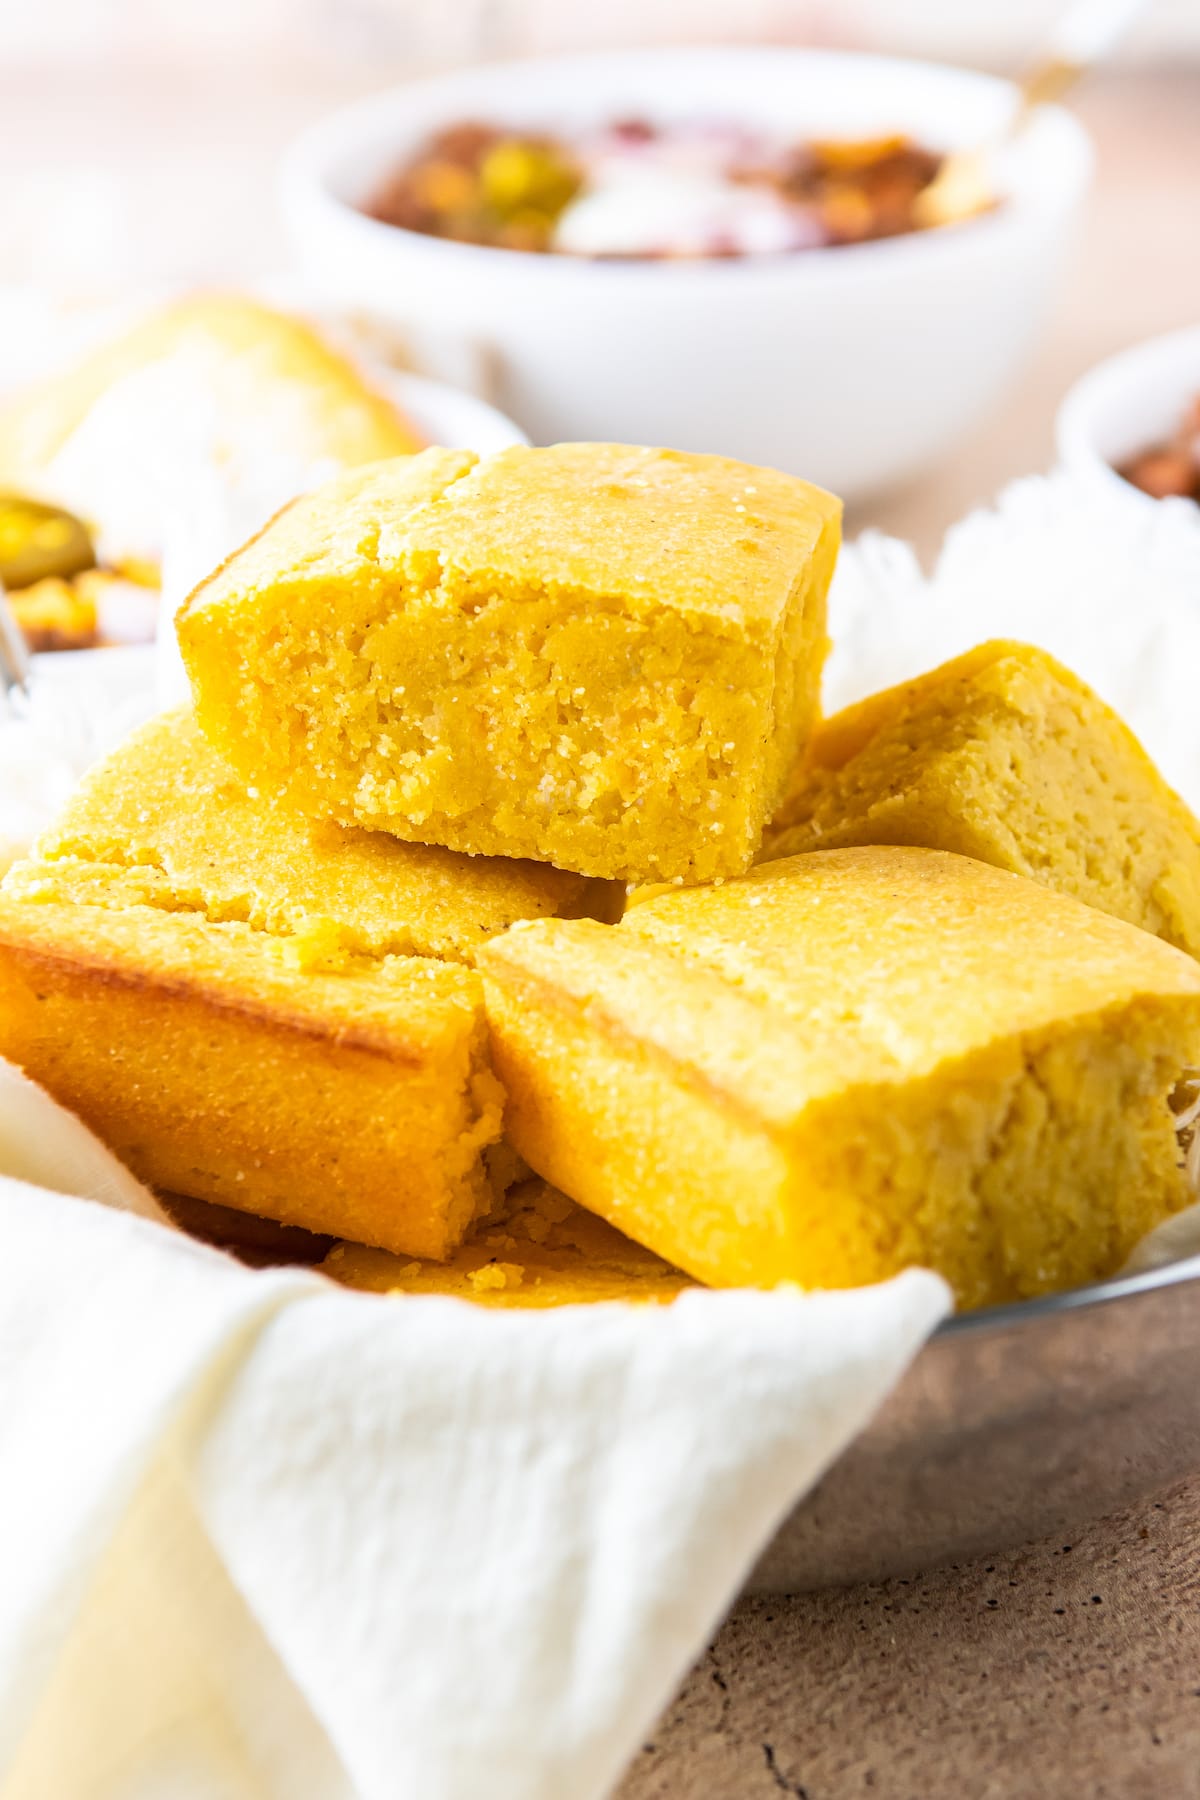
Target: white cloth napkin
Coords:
[(1112, 590), (266, 1538)]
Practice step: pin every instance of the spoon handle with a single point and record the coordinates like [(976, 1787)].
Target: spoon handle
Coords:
[(1091, 29), (1088, 31), (14, 657)]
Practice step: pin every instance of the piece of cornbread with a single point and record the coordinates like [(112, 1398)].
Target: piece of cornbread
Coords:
[(211, 381), (250, 1011), (357, 1103), (164, 822), (545, 1251), (851, 1061), (600, 657), (1005, 755)]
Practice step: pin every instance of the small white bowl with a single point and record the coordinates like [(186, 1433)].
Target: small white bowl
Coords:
[(1125, 405), (853, 366)]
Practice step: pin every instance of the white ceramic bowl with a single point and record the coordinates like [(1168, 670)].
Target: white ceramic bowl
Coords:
[(854, 366), (445, 415), (1129, 403)]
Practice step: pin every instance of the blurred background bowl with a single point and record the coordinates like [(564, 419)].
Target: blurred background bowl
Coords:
[(854, 366), (1125, 405), (445, 415)]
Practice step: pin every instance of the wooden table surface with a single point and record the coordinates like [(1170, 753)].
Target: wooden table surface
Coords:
[(1062, 1669), (1069, 1668)]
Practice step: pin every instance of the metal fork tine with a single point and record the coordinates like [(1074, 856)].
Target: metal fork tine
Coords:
[(14, 657)]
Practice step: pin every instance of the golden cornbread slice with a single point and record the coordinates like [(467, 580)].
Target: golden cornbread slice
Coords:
[(545, 1251), (226, 993), (164, 822), (851, 1061), (358, 1103), (214, 378), (1005, 755), (597, 656)]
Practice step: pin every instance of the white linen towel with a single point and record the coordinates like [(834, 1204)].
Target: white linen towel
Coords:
[(266, 1538), (1111, 590)]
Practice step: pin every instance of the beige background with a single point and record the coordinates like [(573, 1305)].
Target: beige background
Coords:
[(84, 204), (376, 37)]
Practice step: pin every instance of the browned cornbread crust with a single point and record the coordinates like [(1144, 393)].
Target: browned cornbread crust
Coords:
[(354, 1103), (246, 1005)]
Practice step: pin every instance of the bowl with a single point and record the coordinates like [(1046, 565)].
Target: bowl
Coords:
[(1126, 404), (446, 415), (853, 366), (1013, 1424)]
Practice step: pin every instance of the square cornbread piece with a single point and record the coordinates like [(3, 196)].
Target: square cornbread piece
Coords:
[(282, 403), (355, 1103), (1005, 755), (544, 1251), (164, 822), (852, 1061), (596, 656), (251, 1010)]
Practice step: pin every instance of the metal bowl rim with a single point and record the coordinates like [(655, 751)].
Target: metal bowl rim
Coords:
[(1099, 1293)]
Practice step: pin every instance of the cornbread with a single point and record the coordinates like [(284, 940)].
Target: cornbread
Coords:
[(251, 1012), (600, 657), (1005, 755), (851, 1061), (545, 1251), (163, 822), (212, 381), (357, 1103)]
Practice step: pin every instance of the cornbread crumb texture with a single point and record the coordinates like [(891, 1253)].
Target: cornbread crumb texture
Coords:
[(597, 656), (851, 1061), (357, 1103), (541, 1250), (164, 823), (227, 995), (1006, 756), (263, 372)]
